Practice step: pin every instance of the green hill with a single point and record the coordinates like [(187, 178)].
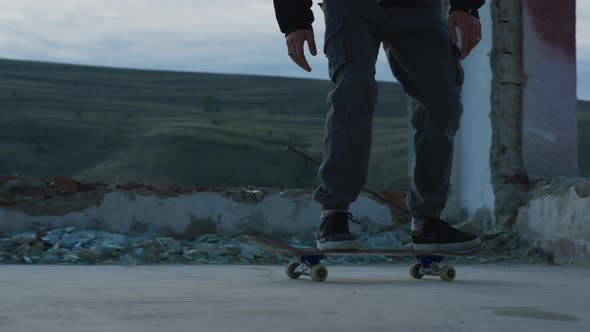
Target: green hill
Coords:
[(119, 125), (159, 127)]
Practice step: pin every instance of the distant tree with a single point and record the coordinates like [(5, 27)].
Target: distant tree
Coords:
[(209, 103), (79, 114), (14, 94), (215, 122)]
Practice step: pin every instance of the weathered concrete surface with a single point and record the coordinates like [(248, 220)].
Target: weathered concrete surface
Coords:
[(557, 218), (232, 211), (261, 298)]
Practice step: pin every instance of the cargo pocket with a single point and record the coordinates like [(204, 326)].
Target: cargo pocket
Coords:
[(335, 50), (334, 47)]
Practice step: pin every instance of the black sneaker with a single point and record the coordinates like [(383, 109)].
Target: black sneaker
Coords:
[(438, 235), (334, 233)]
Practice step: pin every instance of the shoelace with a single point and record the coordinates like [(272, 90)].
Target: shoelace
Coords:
[(349, 216)]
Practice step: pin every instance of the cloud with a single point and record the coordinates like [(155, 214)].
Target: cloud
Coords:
[(583, 48), (196, 35), (583, 24)]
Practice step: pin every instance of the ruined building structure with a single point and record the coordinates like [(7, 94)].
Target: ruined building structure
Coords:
[(516, 161)]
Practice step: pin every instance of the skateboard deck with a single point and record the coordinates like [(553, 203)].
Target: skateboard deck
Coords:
[(309, 258)]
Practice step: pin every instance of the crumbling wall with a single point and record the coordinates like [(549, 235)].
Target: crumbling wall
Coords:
[(178, 212), (557, 219), (68, 222)]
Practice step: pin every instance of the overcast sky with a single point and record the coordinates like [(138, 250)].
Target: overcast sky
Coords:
[(225, 36)]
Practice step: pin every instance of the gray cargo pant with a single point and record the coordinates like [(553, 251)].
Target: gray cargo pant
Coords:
[(425, 62)]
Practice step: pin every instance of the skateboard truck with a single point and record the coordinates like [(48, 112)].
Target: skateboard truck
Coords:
[(308, 266), (429, 265)]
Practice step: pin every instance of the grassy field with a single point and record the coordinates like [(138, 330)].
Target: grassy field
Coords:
[(119, 125), (116, 125)]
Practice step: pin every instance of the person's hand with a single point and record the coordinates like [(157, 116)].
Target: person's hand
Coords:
[(470, 31), (295, 41)]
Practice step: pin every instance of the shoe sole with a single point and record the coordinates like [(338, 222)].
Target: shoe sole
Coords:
[(457, 247), (338, 245)]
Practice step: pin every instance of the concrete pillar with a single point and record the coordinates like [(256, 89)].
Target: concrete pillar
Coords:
[(474, 139), (549, 142)]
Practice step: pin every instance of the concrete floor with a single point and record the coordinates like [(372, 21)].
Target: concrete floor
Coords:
[(261, 298)]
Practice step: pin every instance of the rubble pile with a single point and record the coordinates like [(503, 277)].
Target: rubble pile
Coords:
[(505, 247), (73, 246)]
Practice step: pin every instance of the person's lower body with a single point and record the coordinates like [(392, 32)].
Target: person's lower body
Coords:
[(424, 61)]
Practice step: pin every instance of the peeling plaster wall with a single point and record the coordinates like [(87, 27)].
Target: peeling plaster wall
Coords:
[(549, 99), (276, 214)]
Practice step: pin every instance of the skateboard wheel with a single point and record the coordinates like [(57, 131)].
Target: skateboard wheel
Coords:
[(447, 273), (319, 272), (415, 271), (290, 270)]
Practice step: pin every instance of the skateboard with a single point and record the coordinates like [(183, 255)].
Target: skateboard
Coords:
[(309, 259)]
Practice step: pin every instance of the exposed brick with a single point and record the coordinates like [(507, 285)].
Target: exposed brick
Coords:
[(4, 179), (64, 184), (567, 247)]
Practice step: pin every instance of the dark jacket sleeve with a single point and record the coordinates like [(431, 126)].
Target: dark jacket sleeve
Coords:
[(293, 15), (470, 6)]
